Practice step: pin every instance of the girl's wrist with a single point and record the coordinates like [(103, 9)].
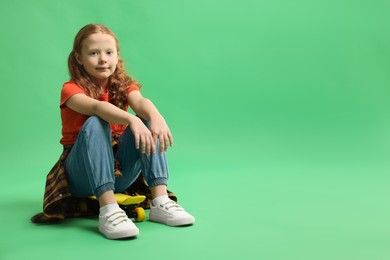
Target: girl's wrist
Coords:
[(155, 116), (131, 119)]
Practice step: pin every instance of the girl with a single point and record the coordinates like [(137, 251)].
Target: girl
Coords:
[(94, 117)]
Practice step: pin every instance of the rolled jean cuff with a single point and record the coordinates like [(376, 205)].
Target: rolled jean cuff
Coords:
[(157, 181), (105, 187)]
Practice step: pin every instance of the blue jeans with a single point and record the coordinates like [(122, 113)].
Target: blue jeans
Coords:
[(90, 163)]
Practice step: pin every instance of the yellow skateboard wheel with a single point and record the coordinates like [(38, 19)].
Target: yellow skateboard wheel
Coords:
[(141, 215)]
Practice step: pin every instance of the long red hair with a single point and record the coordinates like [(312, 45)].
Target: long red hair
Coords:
[(119, 81)]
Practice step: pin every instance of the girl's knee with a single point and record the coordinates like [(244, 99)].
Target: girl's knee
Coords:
[(96, 121), (96, 124)]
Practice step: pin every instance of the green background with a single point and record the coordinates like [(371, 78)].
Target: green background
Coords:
[(279, 110)]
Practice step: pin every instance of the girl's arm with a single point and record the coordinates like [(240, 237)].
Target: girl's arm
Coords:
[(112, 114), (146, 109)]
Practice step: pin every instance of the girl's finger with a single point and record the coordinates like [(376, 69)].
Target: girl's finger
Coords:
[(136, 137), (143, 144), (170, 137), (162, 143), (148, 143), (155, 138), (166, 142), (153, 144)]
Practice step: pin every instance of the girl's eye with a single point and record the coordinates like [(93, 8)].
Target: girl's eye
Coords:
[(109, 53), (93, 53)]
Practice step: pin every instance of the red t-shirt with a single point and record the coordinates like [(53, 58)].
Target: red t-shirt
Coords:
[(73, 121)]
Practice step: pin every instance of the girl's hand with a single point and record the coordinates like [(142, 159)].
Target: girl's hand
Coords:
[(160, 131), (158, 127), (143, 136)]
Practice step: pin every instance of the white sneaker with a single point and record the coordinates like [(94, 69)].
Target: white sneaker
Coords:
[(116, 224), (171, 214)]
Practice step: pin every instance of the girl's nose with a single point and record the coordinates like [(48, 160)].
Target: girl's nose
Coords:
[(102, 59)]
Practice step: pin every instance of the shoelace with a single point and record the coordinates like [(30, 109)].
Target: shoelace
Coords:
[(172, 206), (117, 217)]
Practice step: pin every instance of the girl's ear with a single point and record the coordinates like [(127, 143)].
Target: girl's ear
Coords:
[(78, 58)]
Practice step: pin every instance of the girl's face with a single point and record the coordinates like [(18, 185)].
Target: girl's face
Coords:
[(99, 56)]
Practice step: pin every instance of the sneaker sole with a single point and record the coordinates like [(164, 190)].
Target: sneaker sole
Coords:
[(123, 234), (173, 223)]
